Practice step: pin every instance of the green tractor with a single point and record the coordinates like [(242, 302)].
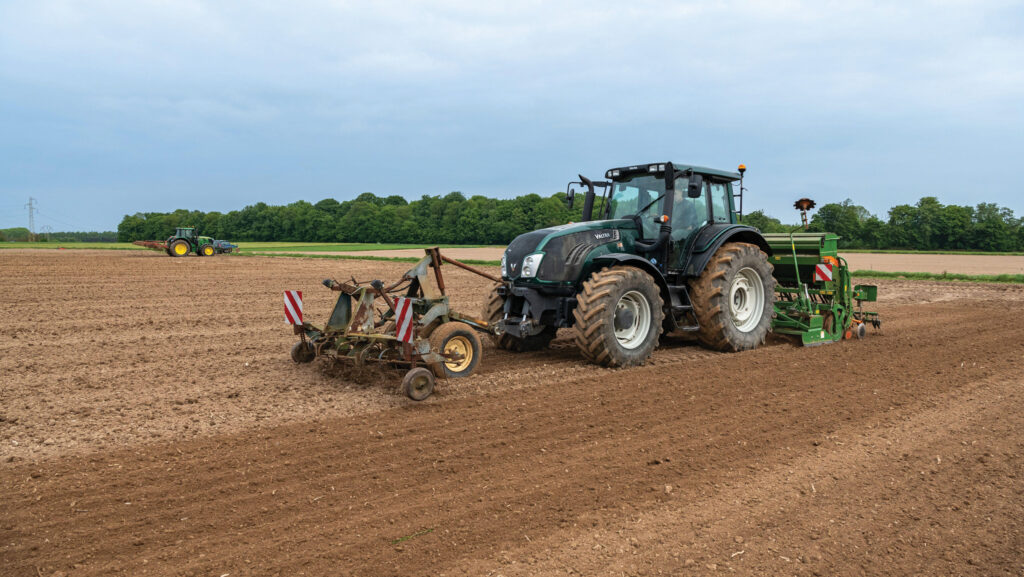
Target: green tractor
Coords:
[(665, 254), (185, 240)]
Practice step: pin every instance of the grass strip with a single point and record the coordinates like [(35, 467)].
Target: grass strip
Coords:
[(946, 276), (912, 252)]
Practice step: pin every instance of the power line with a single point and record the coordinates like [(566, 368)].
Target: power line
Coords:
[(31, 218)]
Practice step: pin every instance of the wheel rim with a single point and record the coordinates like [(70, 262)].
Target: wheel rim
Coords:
[(632, 336), (180, 249), (459, 345), (746, 299), (208, 251)]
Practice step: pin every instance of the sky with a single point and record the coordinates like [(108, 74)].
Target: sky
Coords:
[(114, 107)]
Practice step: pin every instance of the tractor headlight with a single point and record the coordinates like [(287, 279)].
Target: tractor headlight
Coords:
[(531, 263), (504, 268)]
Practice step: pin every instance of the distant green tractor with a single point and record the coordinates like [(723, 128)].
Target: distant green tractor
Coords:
[(185, 240)]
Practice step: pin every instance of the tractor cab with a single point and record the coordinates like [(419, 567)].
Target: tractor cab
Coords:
[(186, 232), (668, 205)]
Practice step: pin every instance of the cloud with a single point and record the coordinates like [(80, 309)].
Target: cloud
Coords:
[(499, 98)]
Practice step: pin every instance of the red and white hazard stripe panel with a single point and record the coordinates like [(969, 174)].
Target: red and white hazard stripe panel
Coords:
[(293, 307), (823, 272), (403, 319)]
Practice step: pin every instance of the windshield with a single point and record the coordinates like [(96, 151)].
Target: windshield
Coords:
[(633, 194)]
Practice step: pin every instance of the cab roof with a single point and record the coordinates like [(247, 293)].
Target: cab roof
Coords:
[(645, 168)]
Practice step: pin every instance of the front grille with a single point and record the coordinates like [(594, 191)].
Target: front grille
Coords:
[(521, 246), (564, 256)]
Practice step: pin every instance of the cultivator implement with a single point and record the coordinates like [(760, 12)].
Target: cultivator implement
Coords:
[(814, 300), (153, 244), (408, 324)]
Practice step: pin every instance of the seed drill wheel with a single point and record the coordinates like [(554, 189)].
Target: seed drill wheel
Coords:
[(460, 340), (619, 317), (208, 250), (494, 310), (303, 352), (418, 383), (179, 248), (733, 298)]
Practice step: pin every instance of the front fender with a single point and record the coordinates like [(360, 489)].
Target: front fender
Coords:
[(624, 259)]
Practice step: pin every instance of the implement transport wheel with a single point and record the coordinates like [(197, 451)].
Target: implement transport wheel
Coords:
[(418, 383), (460, 339), (733, 298), (207, 250), (494, 311), (303, 352), (619, 317)]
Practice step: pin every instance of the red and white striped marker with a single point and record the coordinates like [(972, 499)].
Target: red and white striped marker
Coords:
[(403, 319), (823, 272), (293, 307)]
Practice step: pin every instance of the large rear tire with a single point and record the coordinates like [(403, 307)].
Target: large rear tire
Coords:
[(179, 248), (494, 310), (619, 317), (733, 298)]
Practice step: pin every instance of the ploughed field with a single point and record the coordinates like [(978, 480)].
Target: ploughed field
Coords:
[(152, 422)]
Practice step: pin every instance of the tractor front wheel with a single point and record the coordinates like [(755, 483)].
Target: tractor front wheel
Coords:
[(179, 248), (208, 250), (459, 341), (733, 298), (619, 317), (494, 310)]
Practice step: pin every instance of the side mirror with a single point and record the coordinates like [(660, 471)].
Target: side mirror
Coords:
[(570, 195), (695, 187)]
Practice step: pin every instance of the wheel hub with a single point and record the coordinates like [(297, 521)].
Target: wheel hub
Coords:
[(624, 318), (632, 320), (459, 347)]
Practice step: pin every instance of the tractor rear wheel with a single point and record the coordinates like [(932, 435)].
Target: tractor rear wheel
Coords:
[(457, 339), (179, 248), (733, 298), (494, 310), (619, 317)]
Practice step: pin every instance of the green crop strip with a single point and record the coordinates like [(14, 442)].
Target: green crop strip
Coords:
[(413, 536)]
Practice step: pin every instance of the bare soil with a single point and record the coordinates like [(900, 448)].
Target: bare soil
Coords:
[(152, 422), (932, 263)]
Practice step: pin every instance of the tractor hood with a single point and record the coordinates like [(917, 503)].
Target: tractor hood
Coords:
[(565, 247)]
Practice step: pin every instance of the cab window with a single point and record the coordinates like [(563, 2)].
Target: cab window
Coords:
[(688, 214), (720, 209)]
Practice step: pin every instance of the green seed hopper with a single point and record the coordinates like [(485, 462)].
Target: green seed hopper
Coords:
[(814, 300)]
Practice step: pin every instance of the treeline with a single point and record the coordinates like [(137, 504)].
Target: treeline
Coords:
[(451, 219), (927, 225), (21, 234), (454, 219)]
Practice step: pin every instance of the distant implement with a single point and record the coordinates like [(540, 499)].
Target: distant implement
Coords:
[(186, 241)]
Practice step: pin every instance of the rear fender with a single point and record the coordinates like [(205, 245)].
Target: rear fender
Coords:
[(699, 261)]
